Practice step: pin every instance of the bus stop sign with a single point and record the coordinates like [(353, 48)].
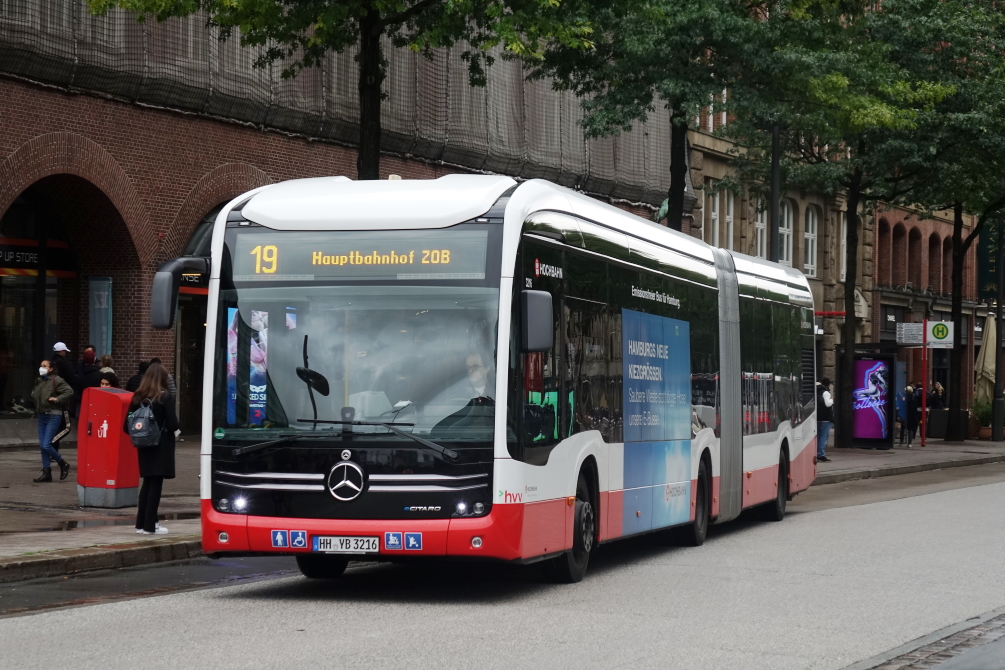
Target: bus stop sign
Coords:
[(940, 334)]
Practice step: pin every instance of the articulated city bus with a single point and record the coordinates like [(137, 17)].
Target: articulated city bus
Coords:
[(467, 367)]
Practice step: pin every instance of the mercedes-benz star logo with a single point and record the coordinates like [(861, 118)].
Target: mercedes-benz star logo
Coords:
[(346, 481)]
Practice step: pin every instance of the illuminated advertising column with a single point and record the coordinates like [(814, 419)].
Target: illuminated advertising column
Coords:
[(873, 401)]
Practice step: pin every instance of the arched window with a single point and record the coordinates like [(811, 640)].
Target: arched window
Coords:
[(935, 263), (760, 230), (713, 213), (785, 233), (729, 220), (810, 242)]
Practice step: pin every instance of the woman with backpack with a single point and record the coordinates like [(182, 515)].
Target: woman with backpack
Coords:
[(49, 394), (151, 424)]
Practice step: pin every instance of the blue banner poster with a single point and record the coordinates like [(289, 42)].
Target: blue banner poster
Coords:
[(657, 419)]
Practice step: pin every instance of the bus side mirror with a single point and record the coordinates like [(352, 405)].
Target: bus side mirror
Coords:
[(164, 294), (537, 318)]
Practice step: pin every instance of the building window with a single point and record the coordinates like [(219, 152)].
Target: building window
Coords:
[(843, 245), (761, 230), (891, 317), (785, 233), (729, 220), (711, 113), (713, 214), (810, 243), (722, 114)]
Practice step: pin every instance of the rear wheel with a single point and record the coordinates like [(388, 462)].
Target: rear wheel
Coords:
[(693, 535), (570, 567), (775, 510), (321, 567)]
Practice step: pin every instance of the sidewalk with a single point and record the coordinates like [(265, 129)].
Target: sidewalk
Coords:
[(847, 464), (43, 531)]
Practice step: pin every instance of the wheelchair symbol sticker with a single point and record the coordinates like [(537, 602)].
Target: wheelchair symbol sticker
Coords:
[(298, 539)]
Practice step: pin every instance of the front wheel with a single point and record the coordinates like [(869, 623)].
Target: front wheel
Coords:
[(570, 567), (321, 567)]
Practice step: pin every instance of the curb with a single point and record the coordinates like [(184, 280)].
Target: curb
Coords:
[(71, 561), (891, 471)]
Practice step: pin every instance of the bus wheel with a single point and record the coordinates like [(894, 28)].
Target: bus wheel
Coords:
[(321, 567), (570, 567), (693, 535), (775, 510)]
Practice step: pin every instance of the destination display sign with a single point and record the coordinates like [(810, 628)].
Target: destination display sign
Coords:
[(360, 255)]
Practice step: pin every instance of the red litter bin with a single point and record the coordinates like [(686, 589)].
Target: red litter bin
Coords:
[(108, 473)]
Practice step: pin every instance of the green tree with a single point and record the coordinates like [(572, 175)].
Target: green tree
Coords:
[(957, 154), (850, 110), (299, 33), (651, 54)]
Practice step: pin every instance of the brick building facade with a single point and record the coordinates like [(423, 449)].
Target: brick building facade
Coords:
[(125, 186)]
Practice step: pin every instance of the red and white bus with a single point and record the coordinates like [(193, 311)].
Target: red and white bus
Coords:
[(468, 367)]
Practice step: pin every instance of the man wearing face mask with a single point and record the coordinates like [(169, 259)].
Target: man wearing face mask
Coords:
[(49, 394)]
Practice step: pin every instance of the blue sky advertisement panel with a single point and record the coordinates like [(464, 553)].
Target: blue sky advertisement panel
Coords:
[(657, 400)]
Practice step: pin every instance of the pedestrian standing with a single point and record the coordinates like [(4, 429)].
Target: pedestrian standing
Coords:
[(133, 382), (938, 397), (106, 365), (90, 373), (63, 367), (825, 417), (49, 394), (171, 384), (911, 400), (156, 463)]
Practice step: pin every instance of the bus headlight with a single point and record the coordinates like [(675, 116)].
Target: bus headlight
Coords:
[(223, 505), (462, 508), (240, 504), (478, 508)]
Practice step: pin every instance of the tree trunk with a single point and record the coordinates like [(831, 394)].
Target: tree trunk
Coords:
[(678, 171), (371, 77), (846, 376), (956, 429)]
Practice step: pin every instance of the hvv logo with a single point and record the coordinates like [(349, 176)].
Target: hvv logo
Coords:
[(510, 497)]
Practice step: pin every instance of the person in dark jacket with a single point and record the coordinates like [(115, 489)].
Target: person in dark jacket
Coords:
[(90, 373), (912, 410), (63, 367), (156, 463), (49, 394), (825, 417), (109, 380), (133, 382)]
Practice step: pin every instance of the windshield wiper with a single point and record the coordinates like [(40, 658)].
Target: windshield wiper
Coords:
[(243, 451), (443, 451)]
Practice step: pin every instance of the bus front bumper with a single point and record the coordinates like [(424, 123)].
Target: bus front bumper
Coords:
[(496, 535)]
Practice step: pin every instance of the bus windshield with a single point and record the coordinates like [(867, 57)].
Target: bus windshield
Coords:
[(410, 352)]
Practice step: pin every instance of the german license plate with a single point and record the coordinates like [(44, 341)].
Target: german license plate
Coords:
[(332, 544)]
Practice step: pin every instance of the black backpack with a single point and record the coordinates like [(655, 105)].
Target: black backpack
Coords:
[(143, 428)]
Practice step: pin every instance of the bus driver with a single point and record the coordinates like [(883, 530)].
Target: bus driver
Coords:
[(481, 383)]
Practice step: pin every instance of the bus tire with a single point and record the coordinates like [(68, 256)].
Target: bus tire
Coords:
[(775, 510), (570, 567), (321, 567), (693, 535)]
